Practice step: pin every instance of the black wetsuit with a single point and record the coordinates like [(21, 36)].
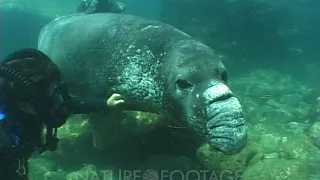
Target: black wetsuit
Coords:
[(13, 162)]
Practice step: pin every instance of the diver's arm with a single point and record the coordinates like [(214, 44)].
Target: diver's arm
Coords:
[(78, 105), (91, 105), (84, 106)]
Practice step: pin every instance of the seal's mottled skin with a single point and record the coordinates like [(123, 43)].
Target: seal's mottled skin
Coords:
[(156, 67)]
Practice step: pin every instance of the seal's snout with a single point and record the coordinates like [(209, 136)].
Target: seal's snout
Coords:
[(220, 98), (217, 92), (225, 127)]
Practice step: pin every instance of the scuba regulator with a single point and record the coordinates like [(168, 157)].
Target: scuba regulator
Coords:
[(51, 108)]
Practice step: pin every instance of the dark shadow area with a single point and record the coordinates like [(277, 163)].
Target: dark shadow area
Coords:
[(128, 153), (163, 141)]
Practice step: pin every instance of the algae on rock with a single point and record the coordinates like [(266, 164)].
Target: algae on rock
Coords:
[(314, 134), (277, 169), (299, 148), (109, 128)]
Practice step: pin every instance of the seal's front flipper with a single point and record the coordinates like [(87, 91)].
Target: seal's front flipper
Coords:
[(100, 6)]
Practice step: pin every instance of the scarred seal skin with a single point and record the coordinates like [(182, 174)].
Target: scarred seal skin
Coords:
[(156, 67)]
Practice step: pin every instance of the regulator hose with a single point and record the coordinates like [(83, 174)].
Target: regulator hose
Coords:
[(27, 53), (21, 81)]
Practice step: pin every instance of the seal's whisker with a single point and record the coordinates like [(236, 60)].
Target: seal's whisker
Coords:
[(177, 127)]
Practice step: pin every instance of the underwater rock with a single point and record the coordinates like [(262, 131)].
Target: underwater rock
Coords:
[(264, 98), (169, 163), (314, 176), (39, 166), (263, 143), (291, 99), (276, 169), (314, 114), (259, 129), (76, 126), (250, 110), (132, 123), (274, 84), (73, 149), (218, 161), (141, 122), (172, 167), (314, 134), (269, 143), (296, 128), (75, 142), (275, 111), (314, 168), (300, 148)]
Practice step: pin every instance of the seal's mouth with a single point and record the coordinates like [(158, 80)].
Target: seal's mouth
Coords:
[(225, 128)]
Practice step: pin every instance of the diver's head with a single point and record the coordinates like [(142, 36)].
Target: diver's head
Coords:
[(32, 82), (43, 73), (43, 76)]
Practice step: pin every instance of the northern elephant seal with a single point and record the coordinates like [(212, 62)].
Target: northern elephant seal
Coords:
[(156, 67)]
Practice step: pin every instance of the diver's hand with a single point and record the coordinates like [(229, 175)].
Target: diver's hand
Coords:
[(115, 100)]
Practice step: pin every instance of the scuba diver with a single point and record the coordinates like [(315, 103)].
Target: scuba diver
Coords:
[(33, 97)]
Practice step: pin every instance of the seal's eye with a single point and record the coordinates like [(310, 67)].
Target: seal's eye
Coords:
[(183, 84), (224, 76)]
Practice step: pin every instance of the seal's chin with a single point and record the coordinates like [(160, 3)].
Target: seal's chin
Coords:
[(226, 130)]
